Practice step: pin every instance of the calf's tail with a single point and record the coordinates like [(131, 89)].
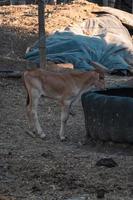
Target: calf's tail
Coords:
[(25, 85)]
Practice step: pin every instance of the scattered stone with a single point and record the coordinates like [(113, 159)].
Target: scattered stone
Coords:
[(100, 193), (106, 162), (47, 154), (79, 198), (10, 153), (35, 189)]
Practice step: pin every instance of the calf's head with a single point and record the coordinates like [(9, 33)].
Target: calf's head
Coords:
[(100, 82)]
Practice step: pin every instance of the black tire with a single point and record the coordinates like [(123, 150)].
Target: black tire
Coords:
[(109, 114)]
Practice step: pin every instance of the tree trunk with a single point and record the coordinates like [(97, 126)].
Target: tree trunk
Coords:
[(42, 43)]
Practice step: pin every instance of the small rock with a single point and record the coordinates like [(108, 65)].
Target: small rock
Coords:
[(80, 198), (10, 153), (107, 162), (100, 193), (47, 154), (35, 189)]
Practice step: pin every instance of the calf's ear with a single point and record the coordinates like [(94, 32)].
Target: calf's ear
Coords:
[(99, 67)]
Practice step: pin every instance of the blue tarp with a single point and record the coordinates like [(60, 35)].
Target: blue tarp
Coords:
[(67, 47)]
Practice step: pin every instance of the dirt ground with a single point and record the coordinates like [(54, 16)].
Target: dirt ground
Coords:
[(35, 169)]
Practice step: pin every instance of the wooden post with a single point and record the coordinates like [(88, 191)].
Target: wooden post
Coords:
[(105, 2), (42, 43), (112, 3)]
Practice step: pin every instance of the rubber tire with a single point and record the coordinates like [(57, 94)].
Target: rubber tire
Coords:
[(109, 114)]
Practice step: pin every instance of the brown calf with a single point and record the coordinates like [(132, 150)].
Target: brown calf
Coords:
[(65, 87)]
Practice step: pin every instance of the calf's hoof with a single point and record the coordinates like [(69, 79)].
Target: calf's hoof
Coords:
[(42, 135), (62, 138)]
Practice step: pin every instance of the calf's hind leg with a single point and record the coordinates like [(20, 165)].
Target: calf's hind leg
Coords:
[(34, 96), (65, 111)]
